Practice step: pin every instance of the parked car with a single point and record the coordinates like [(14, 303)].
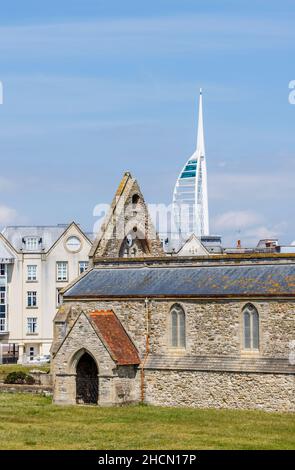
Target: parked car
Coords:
[(45, 359)]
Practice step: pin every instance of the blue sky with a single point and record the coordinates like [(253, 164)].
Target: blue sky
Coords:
[(94, 88)]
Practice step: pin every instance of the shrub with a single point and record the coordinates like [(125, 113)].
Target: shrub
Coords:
[(19, 378)]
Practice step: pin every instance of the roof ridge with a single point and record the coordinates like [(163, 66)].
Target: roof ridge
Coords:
[(101, 312)]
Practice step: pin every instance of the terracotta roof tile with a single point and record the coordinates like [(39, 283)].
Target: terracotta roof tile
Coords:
[(114, 335)]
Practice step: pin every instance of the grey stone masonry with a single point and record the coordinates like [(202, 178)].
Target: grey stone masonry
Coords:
[(115, 384), (212, 371), (128, 215), (213, 328), (269, 392)]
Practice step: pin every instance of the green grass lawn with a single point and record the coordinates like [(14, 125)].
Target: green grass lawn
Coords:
[(5, 369), (32, 422)]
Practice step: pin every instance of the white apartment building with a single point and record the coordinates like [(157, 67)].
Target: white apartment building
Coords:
[(35, 264)]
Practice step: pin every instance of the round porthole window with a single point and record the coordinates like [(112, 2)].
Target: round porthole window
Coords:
[(73, 244)]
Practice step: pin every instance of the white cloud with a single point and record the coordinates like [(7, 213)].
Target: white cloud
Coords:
[(236, 220), (261, 232), (248, 226), (252, 235), (7, 215)]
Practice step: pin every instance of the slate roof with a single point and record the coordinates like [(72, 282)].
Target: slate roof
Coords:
[(48, 234), (115, 337), (194, 281), (5, 255)]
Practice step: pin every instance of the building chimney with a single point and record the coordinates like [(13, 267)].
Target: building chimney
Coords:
[(239, 244)]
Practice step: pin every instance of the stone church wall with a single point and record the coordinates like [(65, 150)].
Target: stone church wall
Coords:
[(212, 327), (268, 392)]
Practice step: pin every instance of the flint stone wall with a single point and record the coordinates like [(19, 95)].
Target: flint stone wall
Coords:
[(268, 392), (212, 327)]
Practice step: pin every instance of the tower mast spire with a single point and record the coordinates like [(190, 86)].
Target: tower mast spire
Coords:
[(200, 135), (201, 190), (190, 196)]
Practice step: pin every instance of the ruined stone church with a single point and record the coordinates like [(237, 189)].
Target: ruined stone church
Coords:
[(200, 331)]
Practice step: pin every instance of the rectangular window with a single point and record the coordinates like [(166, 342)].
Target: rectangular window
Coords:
[(32, 298), (31, 272), (31, 243), (83, 265), (2, 269), (31, 353), (2, 295), (3, 325), (62, 271), (31, 325)]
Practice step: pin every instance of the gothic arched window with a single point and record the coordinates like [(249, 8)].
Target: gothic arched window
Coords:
[(251, 327), (177, 327)]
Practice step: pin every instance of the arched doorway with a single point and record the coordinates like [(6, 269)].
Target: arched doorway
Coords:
[(86, 380)]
